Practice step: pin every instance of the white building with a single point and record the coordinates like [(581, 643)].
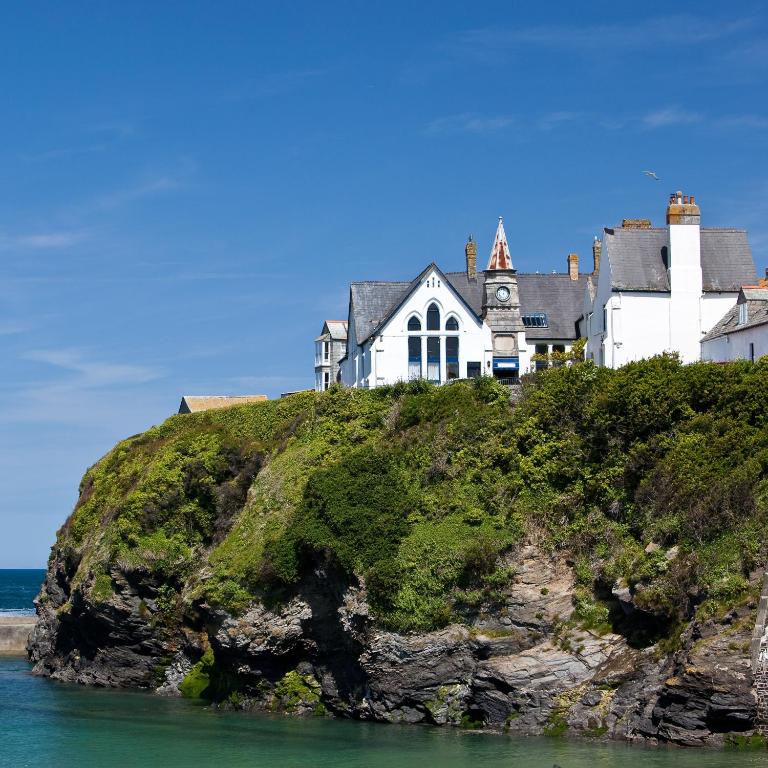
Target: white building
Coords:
[(742, 333), (661, 289), (449, 325)]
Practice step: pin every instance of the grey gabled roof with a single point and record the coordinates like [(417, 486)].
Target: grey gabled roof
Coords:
[(639, 259), (371, 303), (333, 329)]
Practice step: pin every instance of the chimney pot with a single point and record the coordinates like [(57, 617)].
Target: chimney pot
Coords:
[(682, 209)]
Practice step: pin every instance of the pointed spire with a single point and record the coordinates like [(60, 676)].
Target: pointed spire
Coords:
[(500, 258)]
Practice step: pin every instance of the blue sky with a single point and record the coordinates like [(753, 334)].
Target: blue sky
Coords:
[(188, 187)]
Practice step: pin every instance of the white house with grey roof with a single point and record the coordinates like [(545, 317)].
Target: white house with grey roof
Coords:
[(662, 289), (742, 333), (448, 325)]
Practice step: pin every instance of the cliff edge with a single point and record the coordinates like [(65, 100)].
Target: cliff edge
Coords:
[(585, 561)]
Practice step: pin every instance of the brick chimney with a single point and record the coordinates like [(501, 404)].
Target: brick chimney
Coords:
[(470, 251), (573, 266), (597, 251), (683, 210)]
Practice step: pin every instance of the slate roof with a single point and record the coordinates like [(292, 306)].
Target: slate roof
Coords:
[(373, 302), (557, 295), (757, 314), (337, 329), (333, 329), (197, 403), (639, 258)]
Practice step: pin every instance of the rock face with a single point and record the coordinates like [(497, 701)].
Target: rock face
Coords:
[(521, 667)]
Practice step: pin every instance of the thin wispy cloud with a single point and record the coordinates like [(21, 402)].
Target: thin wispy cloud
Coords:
[(40, 240), (149, 188), (468, 123), (11, 329), (743, 121), (74, 388), (93, 373), (555, 119), (104, 136), (662, 118), (674, 116), (674, 30)]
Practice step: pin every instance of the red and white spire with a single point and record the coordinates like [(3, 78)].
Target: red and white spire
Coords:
[(500, 258)]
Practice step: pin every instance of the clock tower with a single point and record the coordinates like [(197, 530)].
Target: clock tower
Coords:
[(501, 308)]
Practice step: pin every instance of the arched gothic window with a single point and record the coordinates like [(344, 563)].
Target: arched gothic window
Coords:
[(433, 318), (451, 324), (414, 324)]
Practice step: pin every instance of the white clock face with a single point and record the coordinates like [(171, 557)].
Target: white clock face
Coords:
[(502, 293)]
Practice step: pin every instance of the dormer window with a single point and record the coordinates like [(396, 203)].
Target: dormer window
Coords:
[(743, 313), (536, 320)]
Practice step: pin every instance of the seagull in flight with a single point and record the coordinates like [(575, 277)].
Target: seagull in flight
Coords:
[(652, 175)]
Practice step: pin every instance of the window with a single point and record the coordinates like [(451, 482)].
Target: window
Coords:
[(433, 358), (535, 320), (742, 313), (558, 348), (605, 319), (473, 370), (433, 318), (451, 324), (326, 351), (451, 357), (414, 357), (542, 349), (326, 379), (751, 352), (414, 324)]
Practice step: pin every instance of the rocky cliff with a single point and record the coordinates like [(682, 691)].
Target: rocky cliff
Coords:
[(432, 556)]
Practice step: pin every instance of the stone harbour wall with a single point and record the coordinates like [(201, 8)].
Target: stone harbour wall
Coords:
[(14, 633)]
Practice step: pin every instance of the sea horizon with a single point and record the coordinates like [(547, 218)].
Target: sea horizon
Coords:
[(18, 589)]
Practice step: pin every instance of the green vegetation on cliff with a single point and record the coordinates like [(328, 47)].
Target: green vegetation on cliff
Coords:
[(420, 489)]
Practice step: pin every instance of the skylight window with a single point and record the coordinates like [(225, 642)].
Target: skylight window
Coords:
[(536, 320)]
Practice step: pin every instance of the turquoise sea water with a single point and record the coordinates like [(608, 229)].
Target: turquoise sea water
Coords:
[(68, 726), (18, 588)]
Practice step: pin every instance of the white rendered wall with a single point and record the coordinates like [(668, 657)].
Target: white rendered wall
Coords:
[(713, 307), (735, 346), (638, 327), (685, 290)]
